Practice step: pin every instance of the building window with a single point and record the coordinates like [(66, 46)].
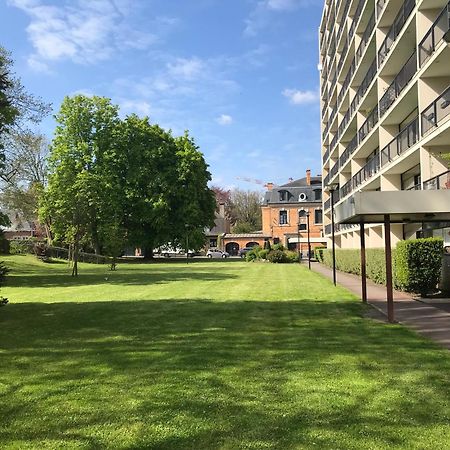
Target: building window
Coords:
[(213, 243), (318, 194), (283, 218), (318, 216), (302, 227), (284, 196)]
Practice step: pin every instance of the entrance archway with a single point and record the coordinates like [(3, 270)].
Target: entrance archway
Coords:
[(232, 248), (251, 244)]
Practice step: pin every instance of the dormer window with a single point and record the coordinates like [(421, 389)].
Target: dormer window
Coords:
[(284, 196), (317, 194)]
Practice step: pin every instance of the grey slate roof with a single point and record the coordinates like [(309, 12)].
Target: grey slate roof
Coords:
[(297, 191)]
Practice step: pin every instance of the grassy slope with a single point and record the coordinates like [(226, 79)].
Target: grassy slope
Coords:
[(229, 355)]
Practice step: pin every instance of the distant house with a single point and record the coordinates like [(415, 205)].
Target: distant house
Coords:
[(20, 228), (283, 213)]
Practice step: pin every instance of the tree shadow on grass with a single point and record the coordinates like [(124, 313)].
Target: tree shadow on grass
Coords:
[(155, 275), (201, 374)]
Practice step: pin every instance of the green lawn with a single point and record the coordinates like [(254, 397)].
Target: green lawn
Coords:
[(214, 354)]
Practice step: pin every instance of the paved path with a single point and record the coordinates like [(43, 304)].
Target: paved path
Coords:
[(426, 317)]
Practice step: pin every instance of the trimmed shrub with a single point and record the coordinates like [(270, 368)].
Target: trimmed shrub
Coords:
[(262, 254), (277, 257), (418, 264), (318, 253), (292, 257), (3, 272), (349, 260), (278, 247), (253, 254)]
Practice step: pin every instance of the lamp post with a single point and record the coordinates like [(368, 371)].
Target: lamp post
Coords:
[(298, 241), (305, 213), (331, 188)]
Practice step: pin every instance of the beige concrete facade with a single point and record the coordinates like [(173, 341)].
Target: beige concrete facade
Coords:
[(385, 98)]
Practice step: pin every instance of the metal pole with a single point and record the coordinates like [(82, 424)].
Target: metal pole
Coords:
[(363, 262), (389, 289), (298, 240), (187, 248), (309, 243), (332, 236)]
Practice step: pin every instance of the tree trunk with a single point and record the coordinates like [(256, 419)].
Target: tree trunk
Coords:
[(75, 259), (148, 252)]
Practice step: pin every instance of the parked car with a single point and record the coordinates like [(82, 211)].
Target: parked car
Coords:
[(216, 253), (169, 251), (243, 251)]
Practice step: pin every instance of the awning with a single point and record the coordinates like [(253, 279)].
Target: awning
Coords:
[(402, 207), (313, 240)]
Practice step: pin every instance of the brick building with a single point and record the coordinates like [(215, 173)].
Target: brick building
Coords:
[(283, 215)]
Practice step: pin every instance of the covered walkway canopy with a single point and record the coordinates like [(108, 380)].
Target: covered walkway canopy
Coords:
[(391, 207)]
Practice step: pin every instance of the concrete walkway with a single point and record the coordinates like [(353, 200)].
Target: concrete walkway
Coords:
[(425, 318)]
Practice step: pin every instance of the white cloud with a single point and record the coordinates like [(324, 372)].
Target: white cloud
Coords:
[(139, 107), (81, 31), (187, 68), (224, 119), (297, 97)]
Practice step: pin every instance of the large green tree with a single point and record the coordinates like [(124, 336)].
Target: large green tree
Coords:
[(115, 182)]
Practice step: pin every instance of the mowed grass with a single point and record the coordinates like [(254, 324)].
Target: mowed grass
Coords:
[(210, 355)]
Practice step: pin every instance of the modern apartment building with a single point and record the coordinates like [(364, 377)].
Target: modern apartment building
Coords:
[(385, 106)]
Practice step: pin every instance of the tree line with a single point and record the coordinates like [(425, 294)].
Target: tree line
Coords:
[(107, 182)]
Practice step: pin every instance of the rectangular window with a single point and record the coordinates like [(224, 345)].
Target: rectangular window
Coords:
[(283, 218), (318, 216), (302, 227)]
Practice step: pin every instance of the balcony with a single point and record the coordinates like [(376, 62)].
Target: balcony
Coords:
[(369, 124), (343, 18), (436, 112), (346, 189), (327, 204), (438, 31), (334, 170), (365, 38), (399, 83), (442, 181), (380, 6), (356, 17), (402, 142), (349, 150), (326, 155), (368, 171), (395, 30)]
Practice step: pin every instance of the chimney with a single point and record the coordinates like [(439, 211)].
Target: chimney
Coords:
[(222, 209), (269, 186), (308, 177)]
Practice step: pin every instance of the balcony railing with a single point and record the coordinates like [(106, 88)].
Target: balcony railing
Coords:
[(395, 29), (402, 142), (365, 38), (380, 6), (435, 34), (349, 150), (326, 180), (344, 18), (368, 79), (346, 188), (437, 111), (399, 83), (369, 124), (334, 170), (327, 204), (328, 229), (441, 181), (356, 17), (326, 155), (368, 171)]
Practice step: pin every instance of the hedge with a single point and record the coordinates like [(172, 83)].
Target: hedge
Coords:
[(418, 264)]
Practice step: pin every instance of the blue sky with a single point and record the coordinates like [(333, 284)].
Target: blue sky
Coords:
[(241, 75)]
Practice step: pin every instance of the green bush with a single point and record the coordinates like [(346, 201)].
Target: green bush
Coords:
[(278, 247), (262, 254), (277, 256), (349, 260), (418, 264), (253, 254), (292, 257), (318, 253), (3, 272), (21, 247)]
